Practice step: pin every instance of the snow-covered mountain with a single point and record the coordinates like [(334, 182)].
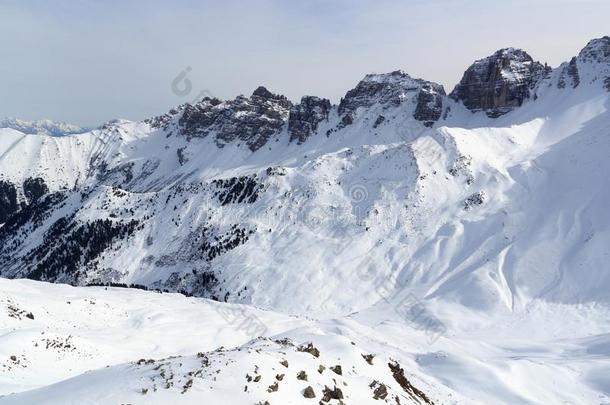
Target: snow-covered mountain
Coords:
[(254, 199), (44, 127), (489, 201)]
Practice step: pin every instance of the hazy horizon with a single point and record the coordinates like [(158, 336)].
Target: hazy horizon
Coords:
[(86, 61)]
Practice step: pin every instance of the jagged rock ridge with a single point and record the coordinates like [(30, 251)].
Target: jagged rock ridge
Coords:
[(249, 119), (305, 117)]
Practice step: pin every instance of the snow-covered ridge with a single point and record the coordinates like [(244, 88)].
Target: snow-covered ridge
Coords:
[(204, 198), (44, 127), (391, 90)]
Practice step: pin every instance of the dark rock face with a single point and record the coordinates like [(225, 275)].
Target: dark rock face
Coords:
[(399, 375), (384, 89), (569, 72), (388, 89), (334, 393), (8, 200), (597, 50), (429, 103), (304, 117), (182, 158), (380, 120), (499, 83), (164, 121), (197, 119), (252, 120), (309, 392), (393, 89)]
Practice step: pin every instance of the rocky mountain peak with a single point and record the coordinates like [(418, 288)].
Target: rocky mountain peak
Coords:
[(500, 82), (495, 85), (597, 54), (252, 120), (263, 93), (597, 50), (391, 90)]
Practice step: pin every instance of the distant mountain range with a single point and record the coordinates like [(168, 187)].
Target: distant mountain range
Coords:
[(42, 127)]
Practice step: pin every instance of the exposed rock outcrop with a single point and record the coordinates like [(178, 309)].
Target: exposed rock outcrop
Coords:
[(304, 117), (569, 72), (429, 103), (597, 50), (252, 120), (392, 90), (388, 89), (597, 53), (495, 85), (499, 83)]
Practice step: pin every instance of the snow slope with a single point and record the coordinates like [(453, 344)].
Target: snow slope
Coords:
[(113, 345), (213, 345)]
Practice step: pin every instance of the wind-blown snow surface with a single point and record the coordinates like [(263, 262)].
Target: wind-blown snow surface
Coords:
[(110, 345), (474, 251)]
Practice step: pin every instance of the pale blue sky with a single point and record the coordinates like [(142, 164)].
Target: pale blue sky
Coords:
[(88, 61)]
